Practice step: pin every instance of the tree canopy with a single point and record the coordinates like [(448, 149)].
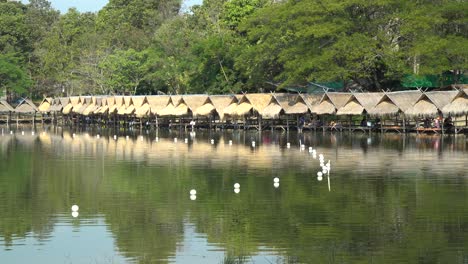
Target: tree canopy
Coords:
[(222, 46)]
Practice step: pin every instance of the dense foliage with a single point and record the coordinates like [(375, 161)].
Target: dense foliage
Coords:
[(221, 46)]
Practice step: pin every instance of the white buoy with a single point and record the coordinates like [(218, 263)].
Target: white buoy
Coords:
[(193, 197), (314, 156), (302, 146), (186, 140), (236, 190), (310, 149), (230, 142), (157, 139), (319, 174), (32, 133), (11, 132), (141, 138), (319, 178), (193, 192), (236, 185), (324, 170), (175, 140), (253, 144), (276, 184), (73, 135), (276, 179), (97, 136), (75, 208), (75, 214), (314, 152), (288, 145), (22, 133), (127, 137), (115, 137), (212, 141)]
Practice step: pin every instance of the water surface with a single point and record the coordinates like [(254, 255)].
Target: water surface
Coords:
[(389, 198)]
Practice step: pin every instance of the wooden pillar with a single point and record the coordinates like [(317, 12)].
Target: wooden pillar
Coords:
[(404, 125), (287, 123), (157, 125), (259, 122)]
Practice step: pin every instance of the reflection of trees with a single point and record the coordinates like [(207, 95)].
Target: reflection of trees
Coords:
[(385, 217)]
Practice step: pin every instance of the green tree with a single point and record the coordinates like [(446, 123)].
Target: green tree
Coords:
[(13, 78)]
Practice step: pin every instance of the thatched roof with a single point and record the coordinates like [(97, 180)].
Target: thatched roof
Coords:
[(194, 101), (44, 106), (175, 107), (291, 103), (57, 105), (311, 99), (143, 109), (459, 104), (205, 110), (118, 103), (404, 99), (384, 107), (272, 110), (243, 107), (5, 107), (157, 102), (221, 102), (359, 103), (26, 107), (430, 103), (330, 102), (83, 103), (259, 101)]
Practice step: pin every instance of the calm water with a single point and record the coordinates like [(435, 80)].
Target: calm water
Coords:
[(388, 199)]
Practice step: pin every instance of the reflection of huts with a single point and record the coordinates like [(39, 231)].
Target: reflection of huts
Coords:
[(44, 106), (359, 103), (27, 109), (5, 110), (429, 104), (330, 103)]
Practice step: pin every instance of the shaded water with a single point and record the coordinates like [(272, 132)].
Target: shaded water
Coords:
[(390, 198)]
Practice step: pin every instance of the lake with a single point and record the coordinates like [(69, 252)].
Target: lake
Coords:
[(387, 198)]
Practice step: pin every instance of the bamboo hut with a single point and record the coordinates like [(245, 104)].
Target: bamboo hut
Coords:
[(104, 107), (69, 103), (394, 103), (272, 110), (459, 104), (195, 101), (126, 103), (56, 106), (222, 103), (118, 103), (175, 107), (93, 106), (44, 106), (430, 104), (292, 104), (142, 106), (205, 110), (359, 103), (243, 108), (26, 107), (230, 110), (259, 101), (157, 103), (82, 105), (5, 110), (311, 100), (330, 103)]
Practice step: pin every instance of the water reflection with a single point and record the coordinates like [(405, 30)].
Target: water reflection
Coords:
[(394, 198)]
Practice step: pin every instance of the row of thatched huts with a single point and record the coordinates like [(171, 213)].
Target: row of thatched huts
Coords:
[(402, 105)]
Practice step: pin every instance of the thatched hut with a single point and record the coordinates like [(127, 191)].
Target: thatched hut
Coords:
[(222, 103), (157, 103), (459, 104), (205, 110), (5, 110), (330, 103), (359, 103), (273, 109), (311, 100), (170, 108), (116, 104), (69, 103), (259, 101), (195, 101), (104, 108), (126, 102), (394, 103), (56, 105), (92, 106), (142, 106), (26, 107), (84, 102), (44, 106), (431, 103), (243, 107), (5, 107), (292, 104)]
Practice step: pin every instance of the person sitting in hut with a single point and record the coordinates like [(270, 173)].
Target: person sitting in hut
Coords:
[(448, 123), (363, 122), (300, 126)]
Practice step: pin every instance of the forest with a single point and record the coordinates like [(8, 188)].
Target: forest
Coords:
[(228, 46)]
